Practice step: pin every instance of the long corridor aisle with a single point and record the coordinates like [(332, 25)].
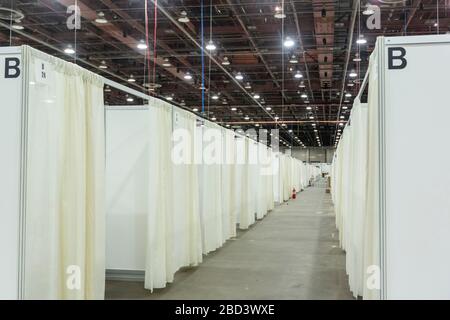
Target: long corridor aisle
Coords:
[(293, 253)]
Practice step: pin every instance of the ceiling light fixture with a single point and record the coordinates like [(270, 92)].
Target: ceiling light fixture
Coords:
[(298, 75), (103, 65), (131, 79), (187, 76), (69, 49), (256, 96), (357, 58), (268, 108), (233, 109), (183, 17), (369, 10), (361, 40), (279, 14), (288, 42), (141, 45), (17, 25), (195, 109), (247, 85), (225, 61), (247, 118), (215, 97), (304, 95), (353, 74), (166, 62), (348, 95), (239, 76), (210, 46), (293, 59), (101, 18)]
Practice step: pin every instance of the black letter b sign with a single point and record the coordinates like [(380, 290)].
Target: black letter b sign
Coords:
[(12, 68), (396, 58)]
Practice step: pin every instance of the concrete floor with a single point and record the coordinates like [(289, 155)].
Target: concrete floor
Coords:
[(292, 253)]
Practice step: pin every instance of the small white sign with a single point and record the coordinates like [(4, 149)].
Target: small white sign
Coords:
[(42, 72)]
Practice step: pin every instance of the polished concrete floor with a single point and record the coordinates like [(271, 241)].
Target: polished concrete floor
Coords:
[(292, 253)]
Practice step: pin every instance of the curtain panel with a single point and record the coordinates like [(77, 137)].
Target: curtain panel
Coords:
[(65, 211)]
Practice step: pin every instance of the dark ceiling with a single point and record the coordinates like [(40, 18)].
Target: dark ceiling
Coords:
[(248, 34)]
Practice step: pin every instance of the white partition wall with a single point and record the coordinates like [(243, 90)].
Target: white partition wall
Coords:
[(415, 197), (10, 169), (386, 196), (127, 187)]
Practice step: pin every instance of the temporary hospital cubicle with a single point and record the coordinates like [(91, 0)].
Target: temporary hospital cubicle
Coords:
[(392, 206), (52, 185)]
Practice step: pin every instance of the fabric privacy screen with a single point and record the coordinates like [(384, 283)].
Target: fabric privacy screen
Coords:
[(65, 238)]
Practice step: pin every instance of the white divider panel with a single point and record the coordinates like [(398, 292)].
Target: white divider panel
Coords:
[(10, 144), (127, 137), (417, 203)]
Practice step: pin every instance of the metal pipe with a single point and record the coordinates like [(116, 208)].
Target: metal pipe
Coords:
[(356, 8)]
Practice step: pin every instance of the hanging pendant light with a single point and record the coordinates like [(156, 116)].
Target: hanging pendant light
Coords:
[(187, 76), (353, 74), (131, 79), (210, 46), (183, 17), (166, 62), (141, 45), (293, 59), (17, 25), (361, 39), (298, 75), (279, 14), (69, 49), (101, 18), (369, 10), (103, 65), (239, 76), (288, 42), (225, 61), (357, 58)]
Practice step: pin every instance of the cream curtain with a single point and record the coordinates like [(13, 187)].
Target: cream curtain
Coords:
[(228, 184), (246, 213), (173, 228), (371, 230), (159, 254), (355, 192), (185, 192), (211, 206), (65, 219)]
